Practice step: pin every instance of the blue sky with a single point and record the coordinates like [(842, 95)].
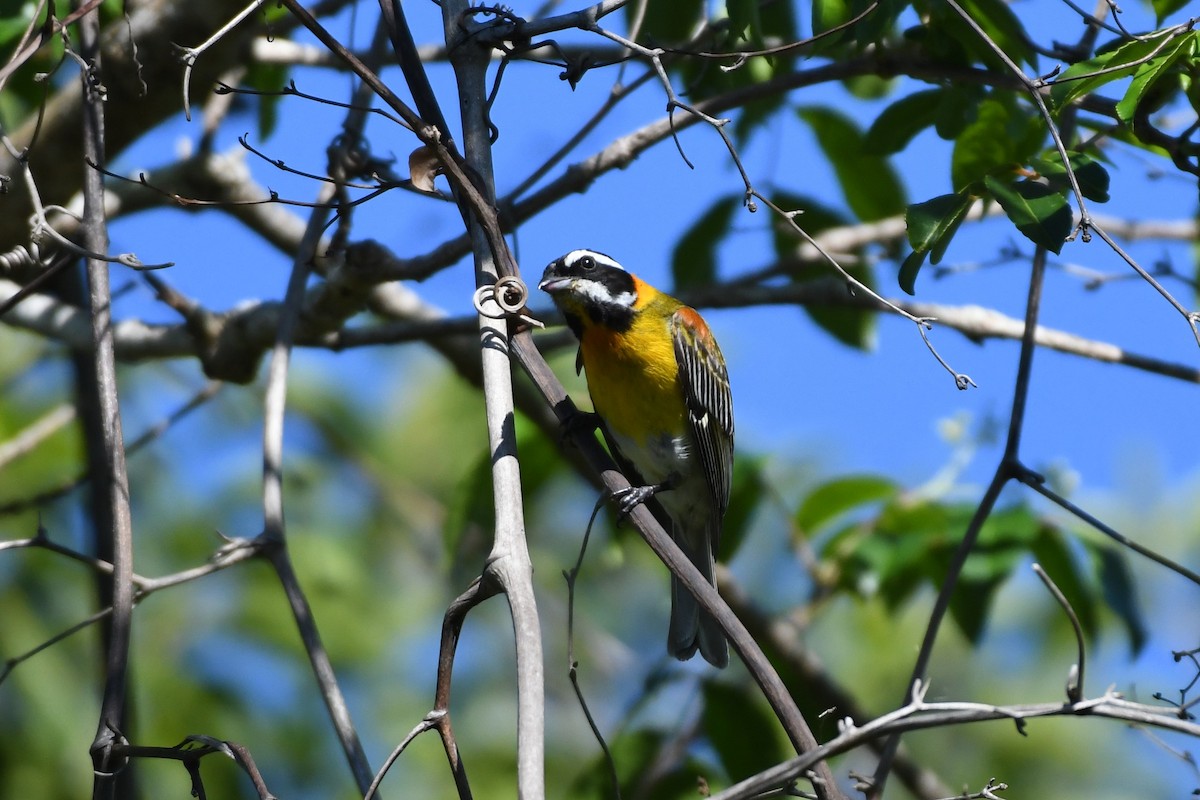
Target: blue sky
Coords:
[(796, 389), (1128, 437)]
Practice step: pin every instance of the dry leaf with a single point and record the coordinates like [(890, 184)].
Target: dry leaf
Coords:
[(423, 167)]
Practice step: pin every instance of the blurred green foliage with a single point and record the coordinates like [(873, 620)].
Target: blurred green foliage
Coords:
[(383, 536), (390, 509)]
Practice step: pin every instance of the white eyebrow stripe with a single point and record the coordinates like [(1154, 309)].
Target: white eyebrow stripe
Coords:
[(573, 256)]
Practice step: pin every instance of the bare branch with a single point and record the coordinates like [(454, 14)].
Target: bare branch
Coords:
[(234, 551), (274, 406), (1005, 471), (146, 437), (571, 576), (194, 748), (919, 715), (1038, 484), (190, 54), (116, 488), (509, 563), (36, 432), (132, 108)]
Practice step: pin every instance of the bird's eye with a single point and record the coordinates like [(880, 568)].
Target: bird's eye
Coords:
[(587, 263)]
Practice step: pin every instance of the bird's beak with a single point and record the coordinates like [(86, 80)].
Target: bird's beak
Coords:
[(553, 283)]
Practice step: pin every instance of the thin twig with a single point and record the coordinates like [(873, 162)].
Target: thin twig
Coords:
[(232, 552), (1038, 484), (28, 45), (1075, 680), (195, 747), (190, 54), (152, 433), (573, 664), (481, 589), (428, 723)]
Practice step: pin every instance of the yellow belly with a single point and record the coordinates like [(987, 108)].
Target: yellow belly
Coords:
[(634, 381)]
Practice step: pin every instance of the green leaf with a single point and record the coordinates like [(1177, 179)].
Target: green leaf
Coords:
[(1089, 173), (1117, 585), (890, 556), (1039, 212), (1002, 26), (828, 14), (1086, 77), (667, 23), (745, 495), (932, 41), (910, 545), (1054, 555), (744, 22), (871, 187), (1010, 527), (1149, 74), (852, 326), (270, 78), (869, 28), (707, 77), (876, 25), (931, 226), (830, 500), (1003, 542), (1165, 8), (869, 87), (918, 538), (996, 20), (740, 729), (910, 268), (982, 147), (694, 263), (970, 603), (957, 110), (897, 124), (1000, 139)]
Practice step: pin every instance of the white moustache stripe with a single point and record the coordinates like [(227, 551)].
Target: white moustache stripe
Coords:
[(598, 292)]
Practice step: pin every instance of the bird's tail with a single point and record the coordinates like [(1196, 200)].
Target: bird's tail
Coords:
[(692, 627)]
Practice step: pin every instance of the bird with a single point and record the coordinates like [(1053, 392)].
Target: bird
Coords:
[(660, 389)]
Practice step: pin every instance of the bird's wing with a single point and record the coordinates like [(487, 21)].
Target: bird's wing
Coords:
[(709, 401)]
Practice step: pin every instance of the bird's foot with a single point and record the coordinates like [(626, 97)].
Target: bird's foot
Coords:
[(633, 496)]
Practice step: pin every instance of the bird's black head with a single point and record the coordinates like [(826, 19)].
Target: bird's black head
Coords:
[(589, 286)]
